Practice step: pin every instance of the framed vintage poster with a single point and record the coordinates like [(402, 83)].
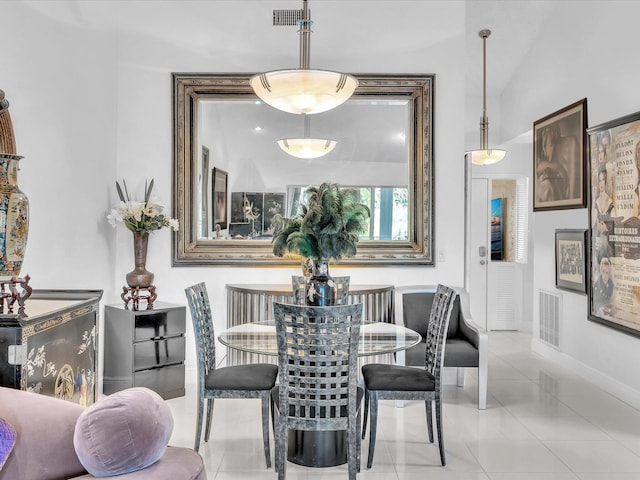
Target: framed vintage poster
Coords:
[(614, 242), (219, 198), (571, 265), (559, 159)]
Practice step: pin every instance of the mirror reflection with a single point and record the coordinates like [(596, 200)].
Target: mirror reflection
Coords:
[(232, 178), (240, 137)]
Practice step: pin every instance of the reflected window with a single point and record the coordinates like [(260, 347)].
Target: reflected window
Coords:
[(389, 207)]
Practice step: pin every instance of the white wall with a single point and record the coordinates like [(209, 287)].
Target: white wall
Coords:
[(61, 85), (587, 49), (91, 103)]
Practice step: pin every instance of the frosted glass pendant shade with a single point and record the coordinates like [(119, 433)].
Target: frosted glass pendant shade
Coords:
[(307, 147), (302, 90), (487, 157)]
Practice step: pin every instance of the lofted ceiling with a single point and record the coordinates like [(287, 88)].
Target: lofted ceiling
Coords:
[(241, 30)]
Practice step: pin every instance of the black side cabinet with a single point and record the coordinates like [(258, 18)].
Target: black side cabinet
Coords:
[(145, 348), (49, 347)]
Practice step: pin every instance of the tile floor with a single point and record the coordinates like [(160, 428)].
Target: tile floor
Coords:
[(541, 423)]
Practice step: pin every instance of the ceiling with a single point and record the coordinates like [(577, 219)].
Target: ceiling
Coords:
[(246, 31)]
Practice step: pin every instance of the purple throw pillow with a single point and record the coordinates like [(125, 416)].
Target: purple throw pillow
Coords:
[(125, 432), (7, 440)]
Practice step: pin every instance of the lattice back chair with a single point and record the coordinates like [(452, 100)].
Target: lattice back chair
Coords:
[(238, 381), (298, 283), (397, 382), (318, 375)]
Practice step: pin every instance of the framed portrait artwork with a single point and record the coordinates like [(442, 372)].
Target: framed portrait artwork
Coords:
[(219, 198), (559, 159), (614, 243), (571, 265)]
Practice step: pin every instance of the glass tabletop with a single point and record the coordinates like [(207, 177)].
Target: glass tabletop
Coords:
[(376, 338)]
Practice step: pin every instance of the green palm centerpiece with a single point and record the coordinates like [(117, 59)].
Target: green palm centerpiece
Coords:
[(328, 227)]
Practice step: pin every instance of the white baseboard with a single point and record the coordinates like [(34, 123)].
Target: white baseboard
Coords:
[(590, 374)]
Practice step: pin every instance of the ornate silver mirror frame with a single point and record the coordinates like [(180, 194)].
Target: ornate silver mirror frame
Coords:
[(190, 249)]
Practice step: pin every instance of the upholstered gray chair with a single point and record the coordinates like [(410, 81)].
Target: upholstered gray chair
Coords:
[(396, 382), (298, 283), (318, 375), (238, 381), (467, 344)]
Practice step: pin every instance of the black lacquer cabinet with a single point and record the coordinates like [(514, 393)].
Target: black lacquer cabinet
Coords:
[(49, 347)]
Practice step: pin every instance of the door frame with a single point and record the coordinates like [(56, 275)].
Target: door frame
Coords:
[(469, 175)]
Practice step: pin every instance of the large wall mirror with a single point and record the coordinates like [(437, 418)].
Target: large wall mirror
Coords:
[(230, 177)]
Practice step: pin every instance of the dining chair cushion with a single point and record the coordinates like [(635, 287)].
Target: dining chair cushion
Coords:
[(275, 398), (458, 353), (379, 376), (125, 432), (255, 376)]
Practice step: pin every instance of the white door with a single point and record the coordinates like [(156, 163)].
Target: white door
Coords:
[(495, 288), (479, 250)]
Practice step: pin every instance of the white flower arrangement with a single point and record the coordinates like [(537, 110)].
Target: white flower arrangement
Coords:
[(143, 217)]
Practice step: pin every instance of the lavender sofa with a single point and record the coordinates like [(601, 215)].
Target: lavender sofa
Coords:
[(44, 448)]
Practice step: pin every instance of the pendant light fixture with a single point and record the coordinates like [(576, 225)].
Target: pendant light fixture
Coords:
[(485, 155), (303, 90), (306, 147)]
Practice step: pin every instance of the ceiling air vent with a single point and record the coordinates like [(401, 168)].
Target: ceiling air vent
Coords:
[(286, 17)]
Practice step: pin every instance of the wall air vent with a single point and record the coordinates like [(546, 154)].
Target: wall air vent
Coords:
[(549, 313)]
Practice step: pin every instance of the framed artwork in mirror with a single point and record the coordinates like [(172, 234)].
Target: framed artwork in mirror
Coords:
[(571, 265), (204, 199), (614, 243), (559, 159), (219, 198)]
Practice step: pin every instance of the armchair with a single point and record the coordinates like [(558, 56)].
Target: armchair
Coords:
[(466, 346)]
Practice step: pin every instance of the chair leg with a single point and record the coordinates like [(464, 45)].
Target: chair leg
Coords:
[(281, 446), (265, 426), (373, 398), (427, 406), (196, 446), (439, 427), (482, 387), (366, 412), (207, 432), (359, 442), (460, 372), (352, 448)]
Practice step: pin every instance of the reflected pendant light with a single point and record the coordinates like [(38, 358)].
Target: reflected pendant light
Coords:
[(307, 147), (485, 155), (303, 90)]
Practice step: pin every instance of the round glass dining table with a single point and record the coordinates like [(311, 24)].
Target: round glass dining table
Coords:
[(376, 338), (319, 448)]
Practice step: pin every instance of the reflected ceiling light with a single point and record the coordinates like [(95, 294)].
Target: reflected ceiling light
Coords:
[(302, 90), (485, 155), (306, 147)]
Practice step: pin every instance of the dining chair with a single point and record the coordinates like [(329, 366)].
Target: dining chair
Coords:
[(238, 381), (298, 283), (466, 343), (318, 375), (398, 382)]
